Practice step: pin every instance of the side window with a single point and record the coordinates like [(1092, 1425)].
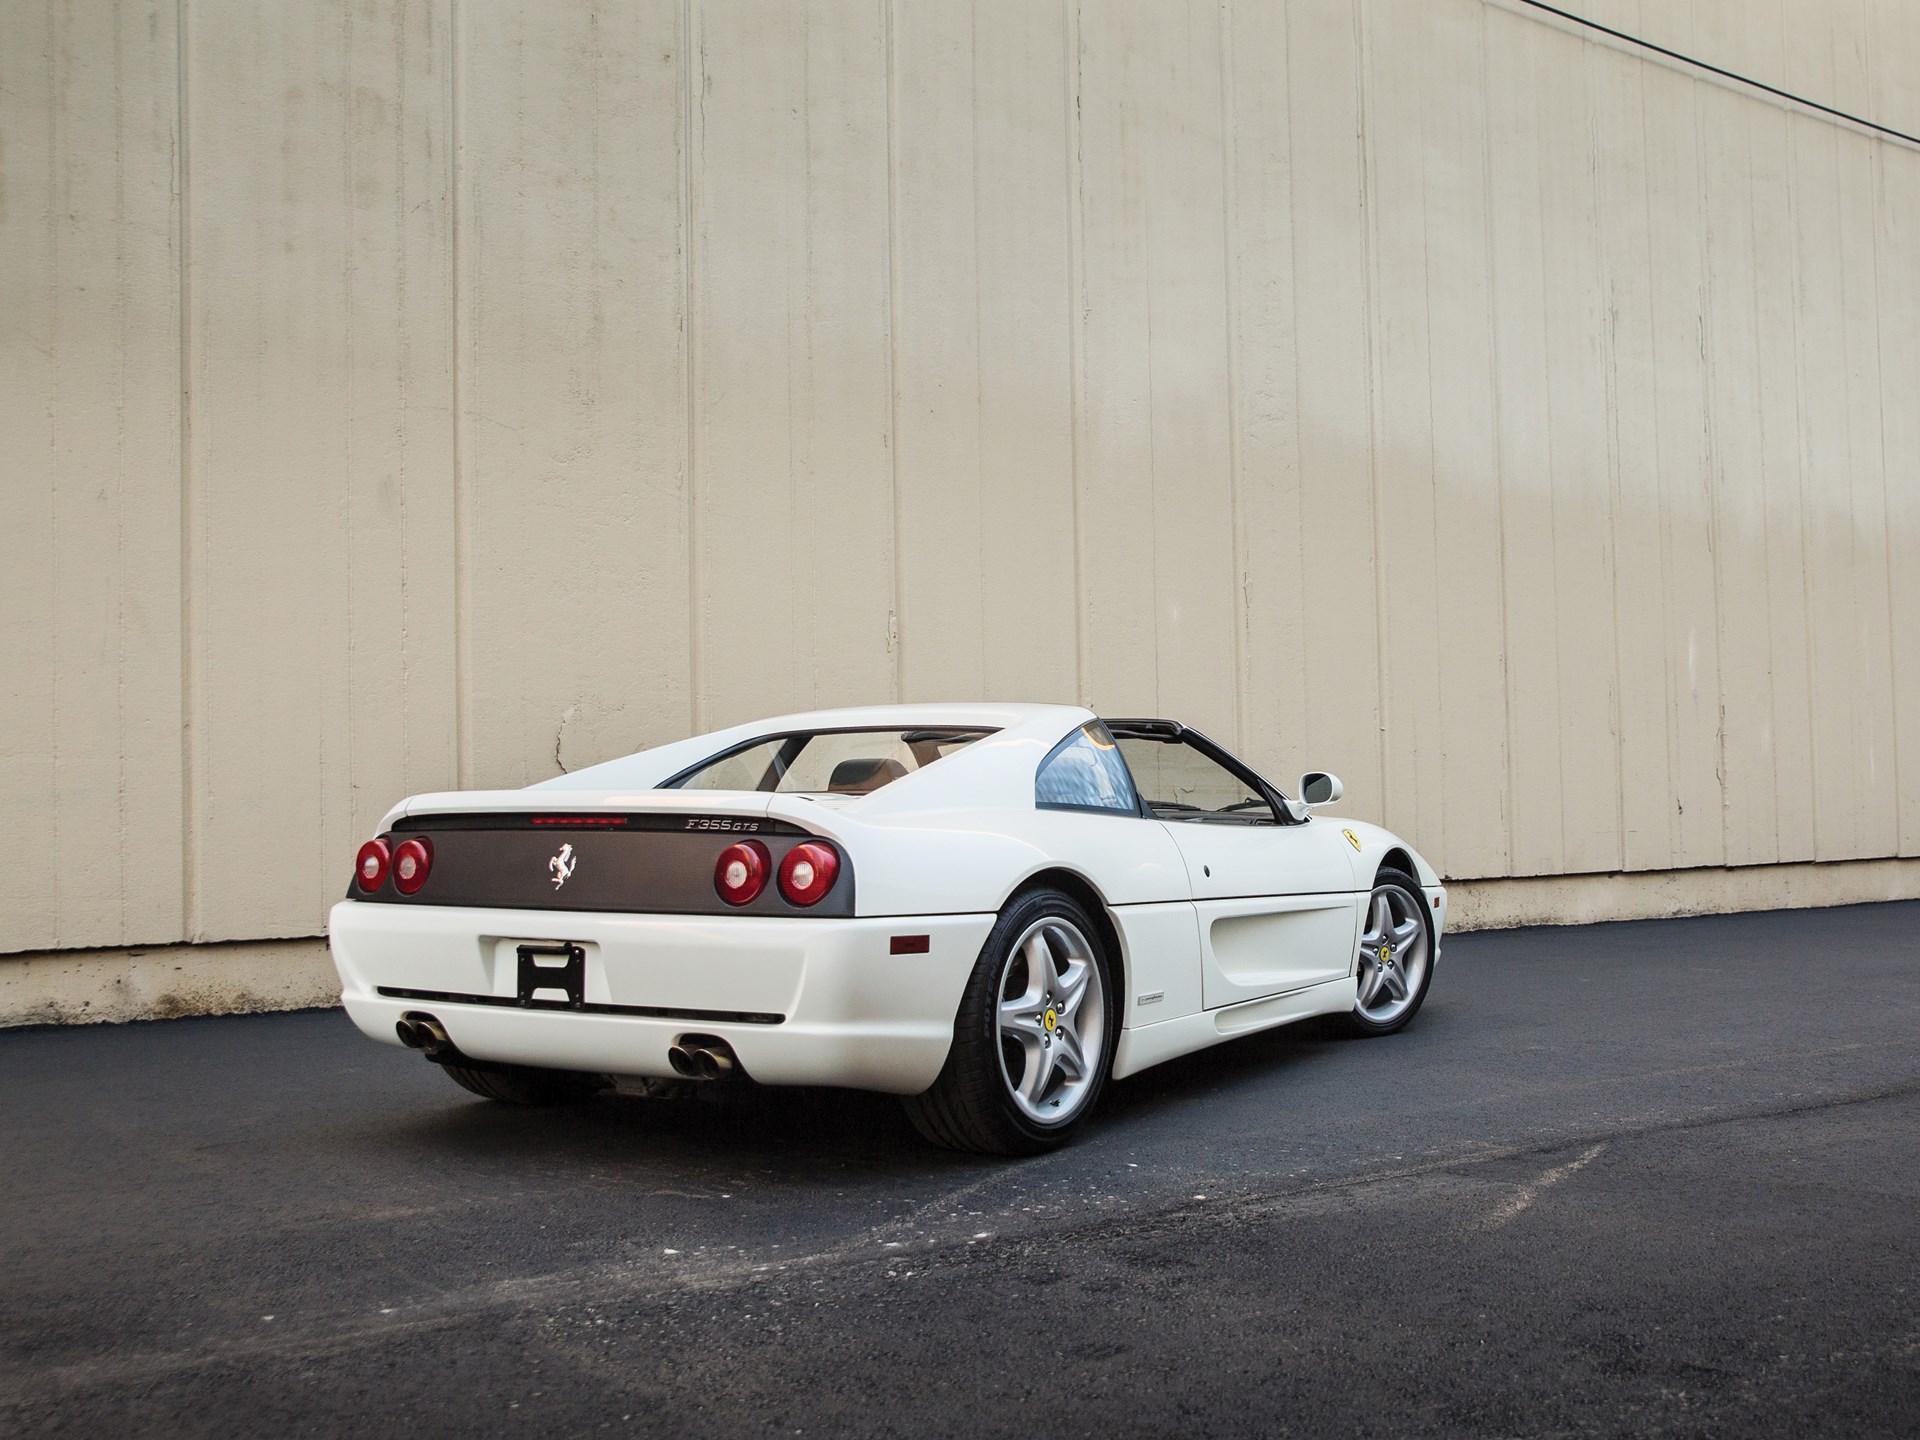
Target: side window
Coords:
[(1085, 772), (1178, 782)]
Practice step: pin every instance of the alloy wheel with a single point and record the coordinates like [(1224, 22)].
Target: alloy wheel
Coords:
[(1051, 1020)]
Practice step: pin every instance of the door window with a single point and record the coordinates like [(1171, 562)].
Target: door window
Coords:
[(1180, 782)]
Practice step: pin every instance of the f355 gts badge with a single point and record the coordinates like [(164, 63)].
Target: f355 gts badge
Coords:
[(562, 865)]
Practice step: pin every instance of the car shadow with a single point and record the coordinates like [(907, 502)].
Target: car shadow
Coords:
[(800, 1136), (808, 1136), (1251, 1062)]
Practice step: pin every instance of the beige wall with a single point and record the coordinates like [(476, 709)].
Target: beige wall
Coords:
[(410, 393)]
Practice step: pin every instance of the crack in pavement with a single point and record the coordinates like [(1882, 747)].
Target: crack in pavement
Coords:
[(1522, 1200)]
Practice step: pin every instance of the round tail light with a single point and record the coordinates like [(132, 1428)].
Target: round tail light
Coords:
[(740, 873), (371, 864), (411, 862), (808, 872)]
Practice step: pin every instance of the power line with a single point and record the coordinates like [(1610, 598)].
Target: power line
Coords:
[(1787, 95)]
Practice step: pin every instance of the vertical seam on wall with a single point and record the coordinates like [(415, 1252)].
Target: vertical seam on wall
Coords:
[(121, 290), (1875, 162), (120, 477), (1673, 701), (1670, 707), (1709, 439), (1431, 726), (54, 211), (1499, 468), (1850, 746), (1296, 572), (691, 102), (343, 512), (896, 630), (983, 645), (1801, 467), (1553, 500), (1766, 526), (1610, 384), (1229, 215), (1076, 343), (462, 627), (403, 372), (189, 512), (1370, 289)]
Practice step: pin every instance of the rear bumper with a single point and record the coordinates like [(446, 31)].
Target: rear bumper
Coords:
[(852, 1013)]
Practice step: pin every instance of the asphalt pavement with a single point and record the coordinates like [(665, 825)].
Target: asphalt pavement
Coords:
[(1658, 1178)]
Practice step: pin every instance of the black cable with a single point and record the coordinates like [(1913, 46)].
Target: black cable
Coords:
[(1724, 74)]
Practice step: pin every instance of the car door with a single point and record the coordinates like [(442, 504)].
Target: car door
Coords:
[(1277, 901)]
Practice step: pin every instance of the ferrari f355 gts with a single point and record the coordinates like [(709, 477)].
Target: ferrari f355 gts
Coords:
[(989, 910)]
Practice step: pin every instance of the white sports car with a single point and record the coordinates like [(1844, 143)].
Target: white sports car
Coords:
[(985, 909)]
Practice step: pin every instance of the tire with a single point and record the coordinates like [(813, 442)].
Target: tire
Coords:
[(525, 1085), (1392, 987), (1027, 1068)]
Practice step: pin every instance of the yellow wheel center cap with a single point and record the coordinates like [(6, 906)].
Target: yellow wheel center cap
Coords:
[(1052, 1020), (1385, 951)]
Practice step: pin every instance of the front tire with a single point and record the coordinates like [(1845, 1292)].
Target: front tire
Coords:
[(1033, 1041), (1394, 966), (525, 1085)]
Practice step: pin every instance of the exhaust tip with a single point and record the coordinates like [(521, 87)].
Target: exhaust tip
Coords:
[(683, 1062), (714, 1064), (423, 1032)]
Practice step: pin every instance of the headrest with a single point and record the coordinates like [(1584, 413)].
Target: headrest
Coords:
[(863, 777)]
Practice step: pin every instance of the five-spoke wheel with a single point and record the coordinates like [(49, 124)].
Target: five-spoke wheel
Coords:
[(1052, 1019), (1395, 960)]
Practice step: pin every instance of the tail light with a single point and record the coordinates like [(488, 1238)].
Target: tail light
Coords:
[(370, 866), (411, 863), (740, 873), (808, 871)]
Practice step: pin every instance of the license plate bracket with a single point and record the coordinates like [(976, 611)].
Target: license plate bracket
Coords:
[(560, 966)]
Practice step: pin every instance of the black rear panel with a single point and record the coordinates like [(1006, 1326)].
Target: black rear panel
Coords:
[(645, 864)]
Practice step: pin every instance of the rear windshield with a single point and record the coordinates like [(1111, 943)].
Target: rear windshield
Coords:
[(824, 762)]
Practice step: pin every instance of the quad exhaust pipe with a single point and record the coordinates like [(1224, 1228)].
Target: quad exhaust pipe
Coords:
[(702, 1057)]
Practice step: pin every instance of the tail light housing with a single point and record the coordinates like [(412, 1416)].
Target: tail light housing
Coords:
[(411, 864), (740, 874), (371, 865), (807, 872)]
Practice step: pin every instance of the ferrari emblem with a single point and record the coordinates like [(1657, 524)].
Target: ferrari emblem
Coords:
[(1352, 839), (1052, 1020), (562, 866), (1386, 952)]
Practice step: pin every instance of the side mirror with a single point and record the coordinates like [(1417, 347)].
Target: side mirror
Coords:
[(1319, 788)]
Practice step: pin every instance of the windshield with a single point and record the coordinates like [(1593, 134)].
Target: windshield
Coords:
[(825, 762)]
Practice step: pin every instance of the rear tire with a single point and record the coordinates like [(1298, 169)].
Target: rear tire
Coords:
[(1033, 1040), (525, 1085)]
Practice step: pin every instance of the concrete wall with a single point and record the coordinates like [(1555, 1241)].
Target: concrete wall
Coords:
[(401, 394)]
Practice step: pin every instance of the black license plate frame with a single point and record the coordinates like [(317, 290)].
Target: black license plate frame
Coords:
[(570, 976)]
